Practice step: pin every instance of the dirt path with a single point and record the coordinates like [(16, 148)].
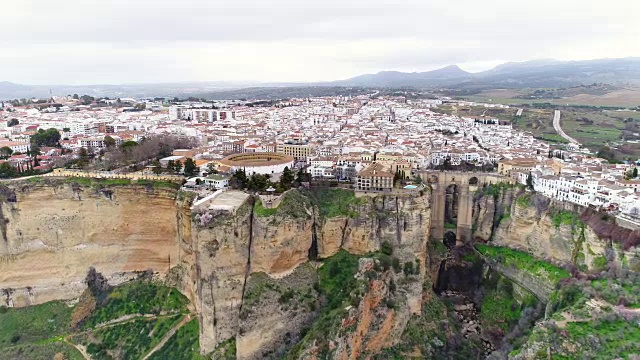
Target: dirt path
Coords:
[(80, 348), (167, 336)]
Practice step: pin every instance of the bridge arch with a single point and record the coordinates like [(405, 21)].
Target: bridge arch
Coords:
[(445, 202)]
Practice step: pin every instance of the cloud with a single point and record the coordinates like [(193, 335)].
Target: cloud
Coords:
[(115, 41)]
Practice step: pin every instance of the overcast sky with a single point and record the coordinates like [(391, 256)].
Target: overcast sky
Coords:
[(133, 41)]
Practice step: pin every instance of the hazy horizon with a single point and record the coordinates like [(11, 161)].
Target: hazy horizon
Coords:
[(88, 42)]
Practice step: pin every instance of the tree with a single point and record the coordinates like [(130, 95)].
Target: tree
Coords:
[(76, 97), (5, 152), (302, 176), (83, 158), (13, 122), (238, 180), (211, 168), (171, 165), (287, 178), (157, 168), (190, 168), (607, 153), (177, 166), (258, 182), (128, 145), (86, 99), (109, 141), (34, 150), (49, 137), (635, 172), (530, 181), (7, 171)]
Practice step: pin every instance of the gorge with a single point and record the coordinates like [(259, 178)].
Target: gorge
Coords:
[(328, 273)]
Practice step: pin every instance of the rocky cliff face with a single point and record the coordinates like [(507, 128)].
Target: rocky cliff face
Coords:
[(230, 246), (52, 234), (560, 232), (252, 272)]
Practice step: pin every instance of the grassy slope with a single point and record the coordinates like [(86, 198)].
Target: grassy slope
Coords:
[(37, 332), (183, 345), (138, 297), (134, 338), (34, 323), (336, 202), (523, 261)]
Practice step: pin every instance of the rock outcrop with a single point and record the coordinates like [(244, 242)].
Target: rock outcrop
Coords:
[(52, 233), (232, 245), (559, 232)]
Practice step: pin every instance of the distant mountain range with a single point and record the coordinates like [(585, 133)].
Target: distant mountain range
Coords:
[(529, 74)]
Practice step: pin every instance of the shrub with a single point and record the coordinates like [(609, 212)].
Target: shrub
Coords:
[(395, 263), (286, 296), (408, 268), (386, 248)]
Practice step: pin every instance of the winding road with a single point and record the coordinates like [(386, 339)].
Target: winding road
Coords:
[(556, 126)]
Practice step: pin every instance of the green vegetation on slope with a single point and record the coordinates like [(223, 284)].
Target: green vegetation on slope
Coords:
[(496, 189), (524, 200), (499, 308), (226, 350), (430, 335), (33, 323), (564, 217), (183, 345), (261, 211), (587, 324), (617, 338), (336, 285), (41, 351), (523, 261), (337, 202), (294, 205), (41, 331), (138, 297), (618, 291), (133, 339), (117, 182)]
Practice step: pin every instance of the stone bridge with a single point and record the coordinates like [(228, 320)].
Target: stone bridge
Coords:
[(452, 201)]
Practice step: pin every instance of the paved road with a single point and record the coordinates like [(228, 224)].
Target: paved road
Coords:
[(556, 125)]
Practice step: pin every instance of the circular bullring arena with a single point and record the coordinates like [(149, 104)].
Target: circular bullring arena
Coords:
[(259, 163)]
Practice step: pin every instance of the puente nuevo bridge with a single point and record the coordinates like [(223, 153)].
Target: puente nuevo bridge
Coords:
[(452, 201)]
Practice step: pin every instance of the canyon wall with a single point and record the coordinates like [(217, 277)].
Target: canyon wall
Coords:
[(231, 245), (52, 233), (224, 257), (564, 233)]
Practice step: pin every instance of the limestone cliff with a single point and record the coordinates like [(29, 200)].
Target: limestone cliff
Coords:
[(252, 272), (563, 233), (230, 246), (52, 233)]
